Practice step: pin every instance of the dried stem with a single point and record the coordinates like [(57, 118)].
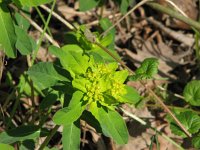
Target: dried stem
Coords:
[(174, 14), (65, 22)]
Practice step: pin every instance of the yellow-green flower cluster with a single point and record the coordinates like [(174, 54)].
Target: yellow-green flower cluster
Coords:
[(102, 82), (117, 90)]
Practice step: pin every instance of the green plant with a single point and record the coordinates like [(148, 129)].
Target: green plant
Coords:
[(97, 88), (85, 79)]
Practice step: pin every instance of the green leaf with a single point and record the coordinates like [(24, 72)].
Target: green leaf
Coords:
[(48, 101), (112, 124), (106, 57), (31, 3), (19, 134), (190, 120), (71, 136), (80, 84), (6, 146), (27, 144), (85, 5), (147, 70), (25, 86), (74, 62), (132, 96), (196, 141), (8, 37), (91, 120), (68, 115), (45, 74), (21, 21), (109, 39), (23, 44), (121, 76), (124, 5), (72, 47), (192, 93)]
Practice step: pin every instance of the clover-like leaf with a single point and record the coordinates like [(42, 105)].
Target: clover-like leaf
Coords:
[(192, 93), (196, 141), (147, 70), (190, 120)]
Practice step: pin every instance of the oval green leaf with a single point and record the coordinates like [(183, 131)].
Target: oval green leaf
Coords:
[(132, 96), (71, 136), (8, 37), (19, 134), (46, 74), (73, 61), (112, 124), (71, 113), (23, 44), (85, 5)]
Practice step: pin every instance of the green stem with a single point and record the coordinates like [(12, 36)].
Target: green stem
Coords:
[(174, 14), (13, 110), (42, 36), (43, 20), (10, 96), (48, 138)]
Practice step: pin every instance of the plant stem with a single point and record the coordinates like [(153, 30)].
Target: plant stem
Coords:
[(174, 14), (13, 110), (43, 20), (48, 138), (70, 26), (42, 36)]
